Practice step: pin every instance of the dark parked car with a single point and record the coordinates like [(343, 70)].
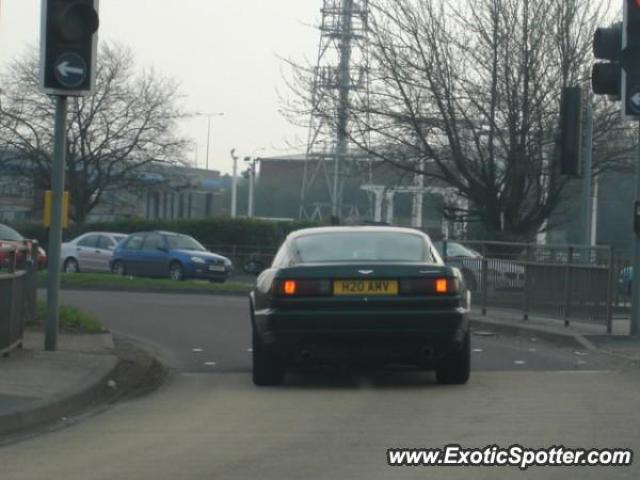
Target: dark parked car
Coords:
[(10, 240), (168, 254), (377, 295)]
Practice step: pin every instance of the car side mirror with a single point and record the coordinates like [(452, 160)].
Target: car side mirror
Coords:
[(253, 267)]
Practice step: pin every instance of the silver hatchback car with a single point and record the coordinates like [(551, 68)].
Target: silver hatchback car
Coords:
[(90, 252)]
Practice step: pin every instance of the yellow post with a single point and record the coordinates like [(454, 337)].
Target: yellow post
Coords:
[(46, 213)]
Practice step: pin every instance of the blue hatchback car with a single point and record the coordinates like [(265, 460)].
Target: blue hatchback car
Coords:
[(168, 254)]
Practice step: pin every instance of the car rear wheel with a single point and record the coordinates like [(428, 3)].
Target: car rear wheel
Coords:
[(118, 268), (71, 266), (267, 370), (455, 367), (176, 272)]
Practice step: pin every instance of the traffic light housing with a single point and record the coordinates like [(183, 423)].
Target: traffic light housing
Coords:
[(630, 59), (606, 77), (68, 44), (570, 141)]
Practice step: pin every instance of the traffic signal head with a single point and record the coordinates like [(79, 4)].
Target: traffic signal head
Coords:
[(571, 131), (606, 77), (68, 46)]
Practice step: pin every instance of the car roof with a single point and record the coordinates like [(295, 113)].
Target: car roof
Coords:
[(355, 229), (161, 232), (102, 233)]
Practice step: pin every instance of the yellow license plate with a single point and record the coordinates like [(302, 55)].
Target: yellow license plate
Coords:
[(365, 287)]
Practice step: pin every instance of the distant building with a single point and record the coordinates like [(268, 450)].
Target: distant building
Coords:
[(160, 192)]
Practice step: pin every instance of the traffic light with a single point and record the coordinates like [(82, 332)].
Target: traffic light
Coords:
[(571, 131), (68, 43), (606, 78), (630, 59)]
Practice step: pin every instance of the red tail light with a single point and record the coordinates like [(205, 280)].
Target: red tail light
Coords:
[(302, 288), (430, 286)]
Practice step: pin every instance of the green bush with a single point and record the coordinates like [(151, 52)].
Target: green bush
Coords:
[(209, 231)]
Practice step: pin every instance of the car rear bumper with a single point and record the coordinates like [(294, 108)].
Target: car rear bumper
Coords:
[(403, 336)]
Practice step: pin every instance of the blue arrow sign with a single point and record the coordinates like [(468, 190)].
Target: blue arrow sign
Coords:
[(70, 70)]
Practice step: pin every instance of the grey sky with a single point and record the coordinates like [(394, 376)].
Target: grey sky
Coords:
[(223, 52)]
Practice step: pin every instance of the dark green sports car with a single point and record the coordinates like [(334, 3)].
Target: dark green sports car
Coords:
[(373, 295)]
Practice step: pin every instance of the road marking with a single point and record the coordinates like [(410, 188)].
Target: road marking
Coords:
[(533, 350), (210, 364), (582, 354), (197, 350), (520, 362), (250, 350), (478, 350), (582, 372), (484, 334)]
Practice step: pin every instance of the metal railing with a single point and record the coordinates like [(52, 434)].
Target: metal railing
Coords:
[(559, 281), (18, 284), (241, 254), (567, 282)]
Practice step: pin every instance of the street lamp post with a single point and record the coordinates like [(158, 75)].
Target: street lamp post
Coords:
[(234, 185), (252, 185), (209, 115)]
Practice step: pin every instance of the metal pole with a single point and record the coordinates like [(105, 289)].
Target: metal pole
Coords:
[(635, 301), (55, 231), (234, 188), (252, 173), (208, 137), (587, 196), (344, 86)]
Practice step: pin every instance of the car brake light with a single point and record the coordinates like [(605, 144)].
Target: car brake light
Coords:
[(302, 288), (289, 287), (442, 285), (430, 286)]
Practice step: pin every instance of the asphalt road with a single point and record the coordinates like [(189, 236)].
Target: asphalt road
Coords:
[(210, 422)]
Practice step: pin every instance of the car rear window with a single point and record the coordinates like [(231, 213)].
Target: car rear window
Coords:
[(362, 246)]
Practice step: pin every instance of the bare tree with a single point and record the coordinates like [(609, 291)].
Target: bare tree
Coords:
[(472, 89), (127, 127)]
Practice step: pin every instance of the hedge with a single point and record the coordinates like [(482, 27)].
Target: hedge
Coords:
[(209, 231)]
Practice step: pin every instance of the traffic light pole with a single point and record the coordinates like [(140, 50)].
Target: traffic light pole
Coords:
[(635, 301), (55, 231), (587, 188)]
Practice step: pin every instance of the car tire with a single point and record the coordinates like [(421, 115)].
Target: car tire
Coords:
[(71, 266), (267, 370), (454, 368), (118, 268), (469, 280), (176, 271)]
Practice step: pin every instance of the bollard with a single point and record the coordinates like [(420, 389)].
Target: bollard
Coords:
[(526, 292), (610, 279), (485, 268), (567, 288)]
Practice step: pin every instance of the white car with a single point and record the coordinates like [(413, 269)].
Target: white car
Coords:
[(90, 252), (501, 273)]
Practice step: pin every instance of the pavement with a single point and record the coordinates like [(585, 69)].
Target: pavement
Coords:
[(584, 335), (38, 387)]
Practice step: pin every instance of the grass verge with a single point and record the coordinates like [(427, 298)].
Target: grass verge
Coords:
[(107, 281), (71, 319)]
